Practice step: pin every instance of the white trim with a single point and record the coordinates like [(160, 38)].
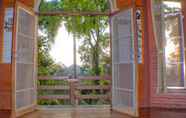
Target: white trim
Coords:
[(30, 12), (124, 89), (175, 88), (25, 36), (37, 4), (23, 90), (24, 110), (133, 108), (113, 5), (126, 110)]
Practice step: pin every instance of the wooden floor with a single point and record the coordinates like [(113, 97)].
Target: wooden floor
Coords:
[(144, 113), (74, 114)]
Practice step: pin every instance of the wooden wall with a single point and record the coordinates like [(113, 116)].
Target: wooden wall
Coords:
[(5, 69), (123, 3), (6, 78), (29, 3), (142, 82)]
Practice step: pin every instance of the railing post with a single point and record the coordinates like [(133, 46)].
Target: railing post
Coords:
[(73, 89)]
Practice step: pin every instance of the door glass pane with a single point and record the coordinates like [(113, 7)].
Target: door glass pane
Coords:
[(174, 52), (170, 42), (124, 86), (25, 43)]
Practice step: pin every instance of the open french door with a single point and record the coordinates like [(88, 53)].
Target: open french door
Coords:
[(24, 60), (124, 91)]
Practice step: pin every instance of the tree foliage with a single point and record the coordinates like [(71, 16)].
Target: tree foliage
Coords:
[(46, 65), (48, 27), (92, 31)]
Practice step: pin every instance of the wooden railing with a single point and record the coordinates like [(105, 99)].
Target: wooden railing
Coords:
[(74, 91)]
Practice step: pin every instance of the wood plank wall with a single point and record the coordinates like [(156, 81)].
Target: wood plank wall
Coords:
[(5, 69), (144, 92), (142, 82), (29, 3), (123, 3)]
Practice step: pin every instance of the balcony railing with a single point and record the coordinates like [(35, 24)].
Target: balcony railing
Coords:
[(81, 91)]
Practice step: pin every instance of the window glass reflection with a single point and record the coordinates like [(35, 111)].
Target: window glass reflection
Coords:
[(168, 22)]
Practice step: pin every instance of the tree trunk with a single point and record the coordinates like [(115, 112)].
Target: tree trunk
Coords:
[(95, 61)]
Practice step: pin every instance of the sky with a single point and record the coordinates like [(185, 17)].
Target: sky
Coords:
[(62, 49)]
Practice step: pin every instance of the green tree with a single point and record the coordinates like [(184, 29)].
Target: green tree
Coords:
[(48, 27), (91, 29), (46, 65)]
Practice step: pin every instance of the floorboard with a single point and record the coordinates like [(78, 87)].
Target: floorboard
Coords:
[(144, 113)]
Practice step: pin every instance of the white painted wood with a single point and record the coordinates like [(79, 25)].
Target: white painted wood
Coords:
[(25, 60), (124, 88)]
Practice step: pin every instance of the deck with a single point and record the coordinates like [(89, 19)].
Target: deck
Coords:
[(93, 113), (74, 114), (99, 113)]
